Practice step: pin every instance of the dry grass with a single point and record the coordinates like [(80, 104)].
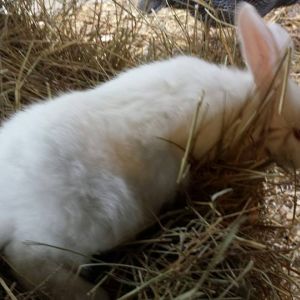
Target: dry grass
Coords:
[(233, 234)]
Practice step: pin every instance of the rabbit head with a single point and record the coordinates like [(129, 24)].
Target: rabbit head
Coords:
[(264, 48)]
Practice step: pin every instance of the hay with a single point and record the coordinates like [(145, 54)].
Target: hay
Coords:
[(233, 234)]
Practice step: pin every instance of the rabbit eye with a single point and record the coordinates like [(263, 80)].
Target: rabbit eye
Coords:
[(296, 132)]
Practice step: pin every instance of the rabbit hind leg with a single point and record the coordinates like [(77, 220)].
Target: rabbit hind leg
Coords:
[(38, 267)]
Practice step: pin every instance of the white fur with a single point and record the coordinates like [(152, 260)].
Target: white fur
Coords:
[(88, 170)]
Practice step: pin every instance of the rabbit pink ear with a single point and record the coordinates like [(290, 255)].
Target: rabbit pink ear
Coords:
[(281, 36), (262, 45)]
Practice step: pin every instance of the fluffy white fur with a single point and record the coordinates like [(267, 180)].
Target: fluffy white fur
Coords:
[(87, 170)]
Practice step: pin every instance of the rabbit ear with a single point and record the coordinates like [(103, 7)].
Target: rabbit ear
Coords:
[(262, 45), (281, 36)]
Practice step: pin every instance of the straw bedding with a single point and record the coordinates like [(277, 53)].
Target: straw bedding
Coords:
[(234, 233)]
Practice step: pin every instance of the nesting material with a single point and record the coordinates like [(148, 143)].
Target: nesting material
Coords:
[(234, 233)]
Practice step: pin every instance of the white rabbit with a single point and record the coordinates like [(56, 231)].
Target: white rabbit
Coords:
[(87, 170)]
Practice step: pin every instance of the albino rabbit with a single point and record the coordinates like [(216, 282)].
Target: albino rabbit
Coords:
[(89, 169)]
